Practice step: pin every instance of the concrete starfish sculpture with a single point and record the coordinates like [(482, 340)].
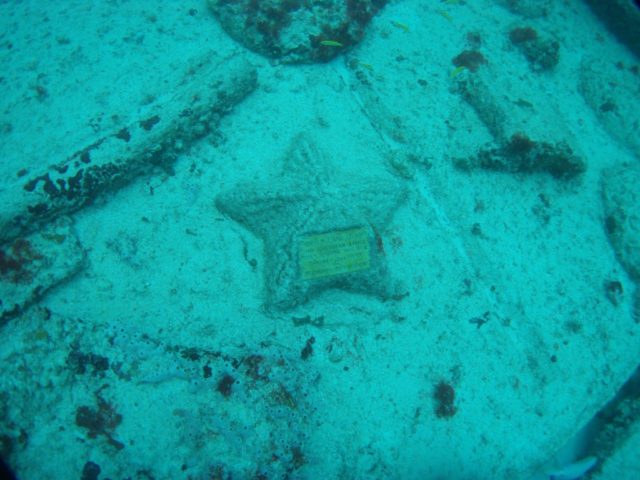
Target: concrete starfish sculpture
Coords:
[(321, 229)]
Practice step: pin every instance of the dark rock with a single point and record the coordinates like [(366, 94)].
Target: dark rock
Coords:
[(296, 31), (622, 18)]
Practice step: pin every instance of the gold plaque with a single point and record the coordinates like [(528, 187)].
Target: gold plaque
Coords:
[(333, 253)]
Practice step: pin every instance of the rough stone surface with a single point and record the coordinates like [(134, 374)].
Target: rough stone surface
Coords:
[(308, 198), (30, 266), (621, 200), (170, 126), (293, 30), (479, 96), (614, 98), (256, 398)]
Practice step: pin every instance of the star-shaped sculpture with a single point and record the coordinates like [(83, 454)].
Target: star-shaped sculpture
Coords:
[(321, 229)]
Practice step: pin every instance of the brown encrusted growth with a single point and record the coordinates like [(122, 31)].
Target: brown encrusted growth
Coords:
[(522, 34), (614, 291), (308, 348), (470, 59), (225, 385), (519, 144), (297, 457), (190, 353), (541, 53), (281, 396), (15, 261), (474, 39), (255, 367), (102, 420), (444, 395), (362, 11), (608, 106), (520, 154), (86, 362)]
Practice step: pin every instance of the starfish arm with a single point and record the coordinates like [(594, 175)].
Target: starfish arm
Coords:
[(374, 200), (283, 286), (260, 209), (305, 160)]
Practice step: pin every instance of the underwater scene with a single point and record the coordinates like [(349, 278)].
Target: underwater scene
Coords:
[(318, 240)]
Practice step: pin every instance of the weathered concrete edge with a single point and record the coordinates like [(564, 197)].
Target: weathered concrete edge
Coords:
[(170, 126), (35, 264)]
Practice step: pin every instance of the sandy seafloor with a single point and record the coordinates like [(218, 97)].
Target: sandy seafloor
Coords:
[(157, 359)]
